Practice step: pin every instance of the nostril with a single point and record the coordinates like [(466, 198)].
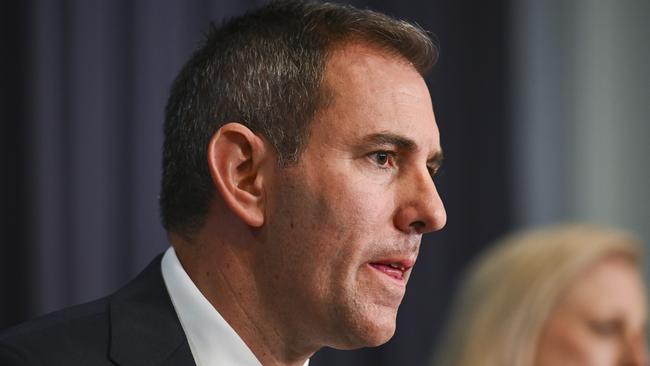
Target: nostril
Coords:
[(418, 225)]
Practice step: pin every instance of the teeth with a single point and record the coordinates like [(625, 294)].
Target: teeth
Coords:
[(397, 266)]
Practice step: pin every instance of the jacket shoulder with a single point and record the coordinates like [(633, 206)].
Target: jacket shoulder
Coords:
[(69, 336), (136, 323)]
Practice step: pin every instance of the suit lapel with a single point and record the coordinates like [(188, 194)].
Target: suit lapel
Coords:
[(145, 329)]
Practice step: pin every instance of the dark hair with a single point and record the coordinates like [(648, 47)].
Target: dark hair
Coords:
[(263, 69)]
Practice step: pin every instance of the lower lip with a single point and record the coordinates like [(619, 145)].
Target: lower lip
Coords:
[(395, 275)]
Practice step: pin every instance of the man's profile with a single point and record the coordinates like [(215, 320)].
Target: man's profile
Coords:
[(300, 145)]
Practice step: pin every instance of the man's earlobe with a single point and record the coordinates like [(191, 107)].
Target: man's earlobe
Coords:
[(235, 159)]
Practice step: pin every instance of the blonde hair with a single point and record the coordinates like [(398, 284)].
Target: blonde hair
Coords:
[(509, 292)]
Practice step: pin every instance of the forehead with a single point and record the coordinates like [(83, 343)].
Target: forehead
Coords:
[(613, 285), (373, 91)]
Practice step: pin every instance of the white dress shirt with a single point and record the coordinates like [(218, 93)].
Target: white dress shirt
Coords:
[(212, 340)]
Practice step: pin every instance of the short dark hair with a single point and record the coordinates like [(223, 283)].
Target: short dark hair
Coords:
[(263, 69)]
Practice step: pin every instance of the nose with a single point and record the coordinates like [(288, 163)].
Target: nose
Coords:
[(420, 208)]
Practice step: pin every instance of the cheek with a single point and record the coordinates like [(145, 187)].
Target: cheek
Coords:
[(359, 201), (349, 193), (332, 220), (318, 225), (571, 343)]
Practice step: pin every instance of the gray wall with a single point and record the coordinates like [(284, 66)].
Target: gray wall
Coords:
[(581, 112)]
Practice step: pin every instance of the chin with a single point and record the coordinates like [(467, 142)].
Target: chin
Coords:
[(361, 322), (378, 326), (371, 334), (380, 335)]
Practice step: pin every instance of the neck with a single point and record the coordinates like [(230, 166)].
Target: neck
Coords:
[(224, 273)]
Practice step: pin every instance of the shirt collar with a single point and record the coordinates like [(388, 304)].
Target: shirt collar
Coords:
[(212, 340)]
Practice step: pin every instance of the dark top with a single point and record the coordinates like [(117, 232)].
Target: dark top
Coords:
[(135, 326)]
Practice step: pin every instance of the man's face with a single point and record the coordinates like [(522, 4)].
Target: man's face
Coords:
[(344, 224)]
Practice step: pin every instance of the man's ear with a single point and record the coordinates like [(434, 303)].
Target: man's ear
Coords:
[(235, 159)]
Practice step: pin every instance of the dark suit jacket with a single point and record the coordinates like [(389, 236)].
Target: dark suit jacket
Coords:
[(135, 326)]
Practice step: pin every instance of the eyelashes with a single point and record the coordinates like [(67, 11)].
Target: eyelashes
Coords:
[(386, 159), (383, 159)]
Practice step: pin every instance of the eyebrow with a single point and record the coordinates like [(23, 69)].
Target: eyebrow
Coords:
[(402, 143), (387, 138)]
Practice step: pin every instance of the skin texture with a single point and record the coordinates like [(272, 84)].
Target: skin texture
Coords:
[(285, 253), (600, 322), (342, 207)]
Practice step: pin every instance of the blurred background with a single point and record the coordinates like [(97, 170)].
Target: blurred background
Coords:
[(542, 105)]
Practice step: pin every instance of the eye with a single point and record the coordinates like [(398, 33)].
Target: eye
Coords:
[(383, 159), (606, 328)]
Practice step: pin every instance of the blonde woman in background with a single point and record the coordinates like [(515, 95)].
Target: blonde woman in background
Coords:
[(565, 295)]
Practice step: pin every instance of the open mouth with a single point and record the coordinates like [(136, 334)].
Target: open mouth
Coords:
[(395, 270)]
